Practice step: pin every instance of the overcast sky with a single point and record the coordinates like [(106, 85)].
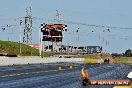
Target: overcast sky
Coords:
[(97, 12)]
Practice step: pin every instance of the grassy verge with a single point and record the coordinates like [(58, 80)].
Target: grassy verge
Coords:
[(13, 48), (90, 60), (123, 60)]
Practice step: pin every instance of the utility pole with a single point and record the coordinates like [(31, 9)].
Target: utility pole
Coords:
[(40, 45), (20, 36), (58, 18), (27, 39), (77, 39)]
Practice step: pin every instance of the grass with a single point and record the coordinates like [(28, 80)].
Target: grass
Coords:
[(90, 60), (123, 60), (13, 48)]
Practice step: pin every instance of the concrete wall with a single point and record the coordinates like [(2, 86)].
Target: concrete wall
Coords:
[(4, 61)]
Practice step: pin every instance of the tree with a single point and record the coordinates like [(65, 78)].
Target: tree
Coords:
[(128, 53)]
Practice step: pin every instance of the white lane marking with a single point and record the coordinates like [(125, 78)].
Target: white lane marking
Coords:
[(4, 76), (22, 73), (13, 75), (27, 73), (18, 74)]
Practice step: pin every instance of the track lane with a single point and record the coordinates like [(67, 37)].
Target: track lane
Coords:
[(68, 78)]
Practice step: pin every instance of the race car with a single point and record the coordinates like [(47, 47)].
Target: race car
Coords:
[(106, 61)]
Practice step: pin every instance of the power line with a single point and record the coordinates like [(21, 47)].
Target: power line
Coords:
[(88, 25), (99, 26)]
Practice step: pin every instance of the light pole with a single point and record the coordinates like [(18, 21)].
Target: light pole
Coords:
[(77, 39), (20, 36), (40, 44), (20, 41)]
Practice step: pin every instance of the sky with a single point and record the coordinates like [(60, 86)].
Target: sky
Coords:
[(115, 13)]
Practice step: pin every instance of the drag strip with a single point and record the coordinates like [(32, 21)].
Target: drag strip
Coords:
[(48, 76)]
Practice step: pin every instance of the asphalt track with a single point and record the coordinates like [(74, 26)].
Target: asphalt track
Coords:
[(48, 75)]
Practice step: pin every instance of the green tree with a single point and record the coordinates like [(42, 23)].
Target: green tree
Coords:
[(128, 53)]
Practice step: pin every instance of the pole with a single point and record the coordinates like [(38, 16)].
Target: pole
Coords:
[(68, 50), (42, 50), (77, 39), (40, 38), (20, 39)]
